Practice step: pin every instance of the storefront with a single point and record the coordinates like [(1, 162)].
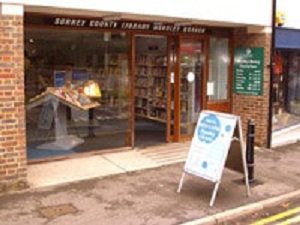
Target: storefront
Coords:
[(79, 79), (286, 79), (148, 81)]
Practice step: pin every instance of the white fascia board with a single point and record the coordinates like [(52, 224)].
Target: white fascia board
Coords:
[(254, 12), (11, 10)]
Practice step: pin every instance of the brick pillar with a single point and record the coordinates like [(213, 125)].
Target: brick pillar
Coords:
[(254, 107), (12, 115)]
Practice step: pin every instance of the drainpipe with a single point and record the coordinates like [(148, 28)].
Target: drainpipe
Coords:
[(272, 52)]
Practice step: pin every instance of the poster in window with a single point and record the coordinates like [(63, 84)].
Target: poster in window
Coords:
[(80, 75), (59, 78)]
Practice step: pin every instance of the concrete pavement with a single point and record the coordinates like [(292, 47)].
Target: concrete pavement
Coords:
[(149, 196), (87, 167)]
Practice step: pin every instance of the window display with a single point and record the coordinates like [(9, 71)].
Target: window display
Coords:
[(286, 89), (60, 98), (77, 91)]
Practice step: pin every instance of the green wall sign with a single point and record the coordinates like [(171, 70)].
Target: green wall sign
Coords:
[(248, 71)]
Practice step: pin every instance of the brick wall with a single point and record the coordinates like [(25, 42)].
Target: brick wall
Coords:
[(254, 107), (12, 115)]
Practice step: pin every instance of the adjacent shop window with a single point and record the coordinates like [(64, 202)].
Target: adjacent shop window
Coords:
[(217, 87), (77, 91), (293, 89)]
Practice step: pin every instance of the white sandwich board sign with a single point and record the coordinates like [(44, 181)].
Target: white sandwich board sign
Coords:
[(209, 150)]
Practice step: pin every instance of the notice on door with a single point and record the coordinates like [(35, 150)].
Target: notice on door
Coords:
[(210, 145), (248, 71)]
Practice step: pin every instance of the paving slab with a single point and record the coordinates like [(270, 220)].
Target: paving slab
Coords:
[(60, 172), (130, 161)]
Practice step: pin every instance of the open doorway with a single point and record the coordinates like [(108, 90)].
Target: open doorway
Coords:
[(151, 69)]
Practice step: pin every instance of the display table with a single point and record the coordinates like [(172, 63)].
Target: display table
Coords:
[(59, 101)]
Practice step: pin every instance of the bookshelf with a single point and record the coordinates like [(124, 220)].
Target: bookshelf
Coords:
[(151, 87)]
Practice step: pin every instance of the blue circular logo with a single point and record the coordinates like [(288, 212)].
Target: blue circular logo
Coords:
[(209, 129)]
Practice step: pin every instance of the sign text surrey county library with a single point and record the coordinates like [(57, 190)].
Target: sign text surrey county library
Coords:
[(98, 23)]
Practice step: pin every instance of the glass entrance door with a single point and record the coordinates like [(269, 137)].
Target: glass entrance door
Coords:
[(175, 78), (218, 81), (190, 80)]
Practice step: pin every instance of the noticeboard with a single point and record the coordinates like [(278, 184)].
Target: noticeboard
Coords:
[(248, 71), (217, 140), (210, 145)]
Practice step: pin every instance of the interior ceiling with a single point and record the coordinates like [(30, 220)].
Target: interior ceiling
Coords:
[(42, 36), (49, 10), (47, 34)]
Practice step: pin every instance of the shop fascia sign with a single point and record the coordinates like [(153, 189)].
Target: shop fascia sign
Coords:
[(62, 21), (126, 25)]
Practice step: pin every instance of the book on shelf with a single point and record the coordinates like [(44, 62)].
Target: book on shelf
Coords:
[(150, 86)]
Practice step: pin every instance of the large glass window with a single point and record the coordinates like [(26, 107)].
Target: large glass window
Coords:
[(77, 91), (218, 69)]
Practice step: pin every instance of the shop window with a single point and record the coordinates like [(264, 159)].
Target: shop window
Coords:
[(218, 69), (293, 90), (77, 91)]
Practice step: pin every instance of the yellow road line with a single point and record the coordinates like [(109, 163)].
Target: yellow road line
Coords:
[(291, 221), (277, 217)]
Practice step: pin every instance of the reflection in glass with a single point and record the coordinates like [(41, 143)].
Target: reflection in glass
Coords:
[(190, 77), (218, 68)]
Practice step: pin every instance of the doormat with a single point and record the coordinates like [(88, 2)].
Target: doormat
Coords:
[(52, 212)]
